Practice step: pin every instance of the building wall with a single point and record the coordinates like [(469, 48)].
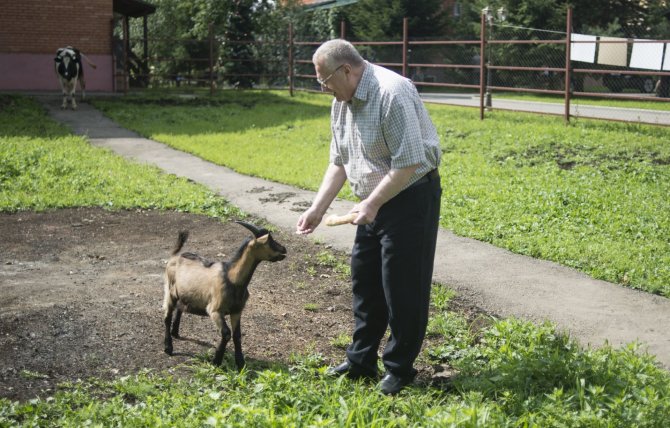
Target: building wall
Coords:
[(32, 30)]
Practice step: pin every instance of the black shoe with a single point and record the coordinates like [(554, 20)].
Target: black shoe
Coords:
[(352, 371), (393, 384)]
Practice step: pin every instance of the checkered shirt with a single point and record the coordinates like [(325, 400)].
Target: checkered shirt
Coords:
[(385, 126)]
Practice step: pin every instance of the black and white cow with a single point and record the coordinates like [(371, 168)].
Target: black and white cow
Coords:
[(70, 70)]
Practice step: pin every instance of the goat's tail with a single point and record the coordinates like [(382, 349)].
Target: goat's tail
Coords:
[(183, 236)]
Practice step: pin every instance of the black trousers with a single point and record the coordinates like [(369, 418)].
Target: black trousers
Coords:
[(392, 268)]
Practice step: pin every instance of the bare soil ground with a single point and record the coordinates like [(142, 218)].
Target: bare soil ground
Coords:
[(81, 296)]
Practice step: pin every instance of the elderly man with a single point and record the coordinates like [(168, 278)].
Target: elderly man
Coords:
[(385, 144)]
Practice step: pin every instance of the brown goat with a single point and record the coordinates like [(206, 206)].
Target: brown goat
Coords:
[(215, 289)]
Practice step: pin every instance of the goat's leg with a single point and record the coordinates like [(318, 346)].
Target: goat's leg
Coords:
[(168, 307), (176, 321), (64, 104), (220, 322), (168, 337), (237, 339)]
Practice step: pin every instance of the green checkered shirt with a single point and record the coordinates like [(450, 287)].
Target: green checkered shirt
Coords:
[(385, 126)]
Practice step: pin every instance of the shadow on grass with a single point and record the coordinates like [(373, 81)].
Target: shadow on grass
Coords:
[(21, 116), (227, 111)]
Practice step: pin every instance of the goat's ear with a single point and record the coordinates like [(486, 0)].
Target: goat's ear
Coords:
[(263, 239)]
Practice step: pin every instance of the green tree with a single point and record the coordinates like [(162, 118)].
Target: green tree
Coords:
[(546, 20), (251, 37), (238, 45), (658, 18), (383, 19), (178, 36), (633, 18)]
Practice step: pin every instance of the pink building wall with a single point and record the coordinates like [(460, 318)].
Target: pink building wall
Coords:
[(36, 72), (32, 30)]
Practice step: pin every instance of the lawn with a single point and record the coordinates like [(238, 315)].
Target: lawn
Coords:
[(510, 372), (44, 167), (653, 104), (591, 195)]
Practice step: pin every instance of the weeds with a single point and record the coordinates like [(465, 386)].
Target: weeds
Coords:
[(341, 341), (520, 375)]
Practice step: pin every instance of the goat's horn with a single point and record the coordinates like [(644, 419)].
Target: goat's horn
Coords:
[(256, 231)]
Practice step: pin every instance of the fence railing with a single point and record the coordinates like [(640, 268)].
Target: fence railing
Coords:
[(505, 59)]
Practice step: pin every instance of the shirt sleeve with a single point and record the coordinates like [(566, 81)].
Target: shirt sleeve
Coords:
[(402, 132)]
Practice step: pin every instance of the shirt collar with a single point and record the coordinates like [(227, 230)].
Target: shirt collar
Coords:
[(365, 84)]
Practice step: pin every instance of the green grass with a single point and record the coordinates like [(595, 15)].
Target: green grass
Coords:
[(591, 195), (342, 341), (517, 374), (265, 134), (339, 266), (663, 104), (312, 307), (510, 374), (45, 167)]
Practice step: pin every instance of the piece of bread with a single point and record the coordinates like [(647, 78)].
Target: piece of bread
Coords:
[(336, 220)]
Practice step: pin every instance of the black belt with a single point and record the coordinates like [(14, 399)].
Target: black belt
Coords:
[(430, 176)]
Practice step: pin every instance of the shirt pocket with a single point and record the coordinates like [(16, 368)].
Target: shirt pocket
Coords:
[(371, 138)]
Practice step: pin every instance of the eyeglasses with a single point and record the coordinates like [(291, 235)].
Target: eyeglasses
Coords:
[(324, 81)]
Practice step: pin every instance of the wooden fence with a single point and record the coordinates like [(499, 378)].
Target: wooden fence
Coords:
[(287, 63)]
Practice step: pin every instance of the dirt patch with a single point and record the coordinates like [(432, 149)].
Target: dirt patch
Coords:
[(81, 295)]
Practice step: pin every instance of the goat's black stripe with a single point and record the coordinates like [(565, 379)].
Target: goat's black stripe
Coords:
[(192, 256)]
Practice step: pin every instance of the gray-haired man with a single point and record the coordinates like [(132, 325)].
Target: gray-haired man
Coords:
[(385, 144)]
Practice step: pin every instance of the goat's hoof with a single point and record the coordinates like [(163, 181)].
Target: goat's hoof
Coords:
[(240, 364), (175, 335), (168, 351)]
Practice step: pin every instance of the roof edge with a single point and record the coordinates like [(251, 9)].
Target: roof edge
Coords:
[(328, 4)]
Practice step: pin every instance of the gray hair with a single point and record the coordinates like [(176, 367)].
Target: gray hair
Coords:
[(335, 52)]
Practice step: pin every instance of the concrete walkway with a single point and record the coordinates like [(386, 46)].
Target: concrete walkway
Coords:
[(577, 108), (493, 279)]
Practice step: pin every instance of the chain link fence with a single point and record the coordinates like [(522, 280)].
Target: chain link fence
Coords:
[(505, 61), (600, 65)]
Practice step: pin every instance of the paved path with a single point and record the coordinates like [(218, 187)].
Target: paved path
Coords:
[(577, 108), (493, 279)]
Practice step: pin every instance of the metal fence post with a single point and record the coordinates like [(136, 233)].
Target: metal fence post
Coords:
[(211, 59), (405, 46), (482, 52), (145, 53), (343, 28), (126, 48), (568, 69), (290, 59)]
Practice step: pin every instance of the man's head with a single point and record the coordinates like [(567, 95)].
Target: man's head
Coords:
[(339, 68)]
